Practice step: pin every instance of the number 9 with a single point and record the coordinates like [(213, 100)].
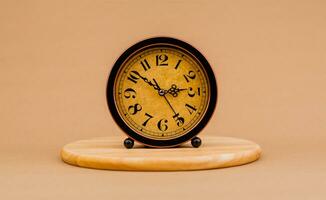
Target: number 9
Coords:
[(130, 93)]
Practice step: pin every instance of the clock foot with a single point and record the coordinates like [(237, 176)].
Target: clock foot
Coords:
[(196, 142), (129, 143)]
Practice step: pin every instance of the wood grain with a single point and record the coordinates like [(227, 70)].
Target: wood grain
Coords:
[(109, 153)]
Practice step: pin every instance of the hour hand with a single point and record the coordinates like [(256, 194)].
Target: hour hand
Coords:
[(174, 90)]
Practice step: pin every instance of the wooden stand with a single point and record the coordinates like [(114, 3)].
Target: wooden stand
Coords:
[(109, 153)]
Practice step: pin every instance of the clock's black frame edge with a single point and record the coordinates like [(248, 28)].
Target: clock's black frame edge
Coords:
[(161, 143)]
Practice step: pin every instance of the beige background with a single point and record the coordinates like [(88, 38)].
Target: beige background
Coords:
[(269, 58)]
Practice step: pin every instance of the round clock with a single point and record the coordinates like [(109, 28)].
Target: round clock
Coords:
[(161, 92)]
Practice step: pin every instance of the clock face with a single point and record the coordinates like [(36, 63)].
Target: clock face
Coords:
[(161, 92)]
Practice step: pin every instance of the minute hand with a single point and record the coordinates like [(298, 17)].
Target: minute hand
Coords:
[(155, 86)]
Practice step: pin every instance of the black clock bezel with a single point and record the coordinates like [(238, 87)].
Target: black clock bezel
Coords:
[(171, 142)]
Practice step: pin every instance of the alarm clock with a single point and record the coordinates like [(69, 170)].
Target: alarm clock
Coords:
[(161, 92)]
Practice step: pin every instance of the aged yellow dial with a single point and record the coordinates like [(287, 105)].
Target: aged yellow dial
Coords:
[(161, 92)]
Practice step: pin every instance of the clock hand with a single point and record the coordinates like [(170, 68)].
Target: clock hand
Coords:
[(180, 120), (162, 93), (155, 86), (169, 104), (174, 90)]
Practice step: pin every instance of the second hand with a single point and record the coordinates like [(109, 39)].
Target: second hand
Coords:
[(169, 104)]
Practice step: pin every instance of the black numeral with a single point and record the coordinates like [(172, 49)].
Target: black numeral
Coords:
[(162, 125), (149, 117), (130, 93), (180, 120), (162, 60), (133, 76), (177, 65), (192, 93), (145, 64), (190, 108), (134, 109), (190, 75)]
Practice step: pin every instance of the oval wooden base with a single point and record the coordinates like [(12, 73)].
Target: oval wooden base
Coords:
[(109, 153)]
